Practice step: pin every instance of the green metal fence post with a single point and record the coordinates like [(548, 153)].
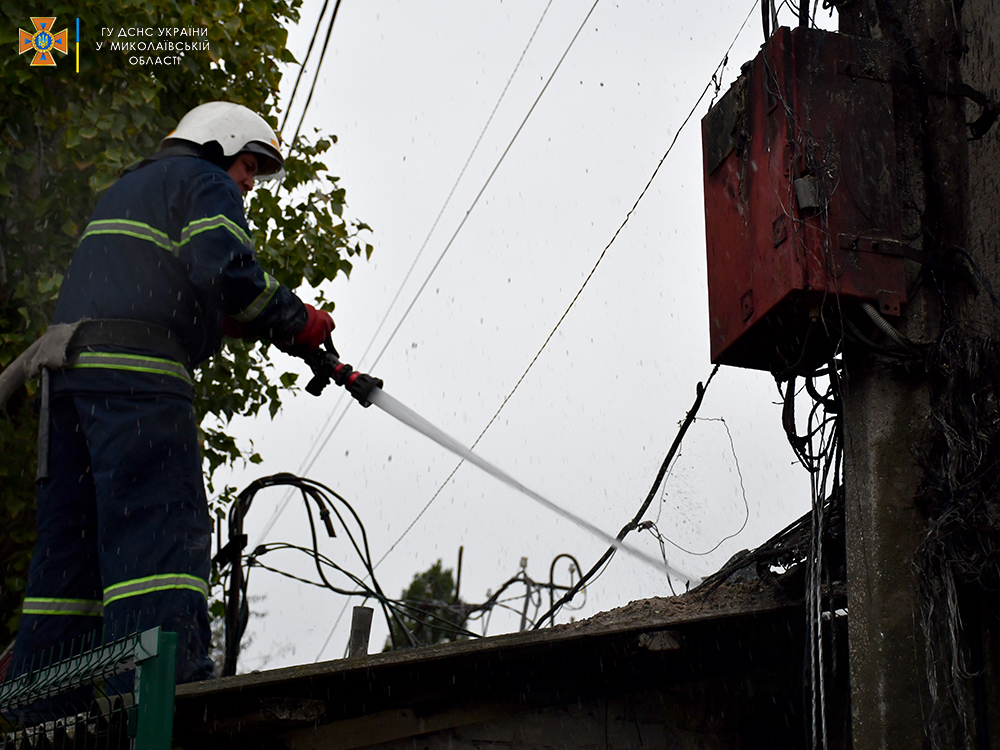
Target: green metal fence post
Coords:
[(156, 662)]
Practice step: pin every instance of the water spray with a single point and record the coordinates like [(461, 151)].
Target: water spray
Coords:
[(327, 368)]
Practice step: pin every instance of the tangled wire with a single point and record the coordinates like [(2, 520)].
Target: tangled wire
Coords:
[(958, 561)]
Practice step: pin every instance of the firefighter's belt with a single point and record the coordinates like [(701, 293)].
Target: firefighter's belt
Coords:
[(129, 334)]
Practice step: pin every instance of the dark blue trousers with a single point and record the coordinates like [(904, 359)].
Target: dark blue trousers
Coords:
[(124, 536)]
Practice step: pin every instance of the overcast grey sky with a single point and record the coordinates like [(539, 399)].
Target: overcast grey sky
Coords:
[(408, 88)]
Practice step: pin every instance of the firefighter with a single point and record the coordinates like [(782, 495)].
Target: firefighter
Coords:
[(165, 265)]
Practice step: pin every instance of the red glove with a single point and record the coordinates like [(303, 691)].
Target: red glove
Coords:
[(317, 328)]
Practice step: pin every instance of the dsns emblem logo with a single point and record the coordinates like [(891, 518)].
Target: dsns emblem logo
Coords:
[(43, 41)]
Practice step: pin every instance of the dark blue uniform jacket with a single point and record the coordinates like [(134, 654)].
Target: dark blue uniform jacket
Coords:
[(169, 244)]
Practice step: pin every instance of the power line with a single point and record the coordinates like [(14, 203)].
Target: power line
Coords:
[(319, 66), (465, 166), (482, 190), (635, 522), (400, 323), (406, 278), (302, 68), (715, 80), (448, 247), (317, 448)]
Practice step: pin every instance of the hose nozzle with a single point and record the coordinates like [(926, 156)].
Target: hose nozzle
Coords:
[(358, 384), (326, 366)]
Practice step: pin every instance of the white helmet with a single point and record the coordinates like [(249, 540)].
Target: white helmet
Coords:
[(236, 129)]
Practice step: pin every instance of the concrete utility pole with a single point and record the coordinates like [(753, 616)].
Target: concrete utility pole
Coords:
[(888, 408)]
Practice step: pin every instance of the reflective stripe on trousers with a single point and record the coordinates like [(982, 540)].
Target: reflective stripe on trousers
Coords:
[(36, 605), (131, 363), (149, 584)]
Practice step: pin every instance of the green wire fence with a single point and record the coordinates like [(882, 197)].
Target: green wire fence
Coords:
[(117, 696)]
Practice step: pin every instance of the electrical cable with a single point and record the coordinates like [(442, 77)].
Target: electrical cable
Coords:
[(673, 142), (661, 538), (493, 600), (634, 523), (317, 448), (831, 448), (825, 466), (552, 573), (319, 66), (482, 190), (441, 617), (447, 200), (712, 81), (887, 328), (326, 41), (302, 68), (237, 612)]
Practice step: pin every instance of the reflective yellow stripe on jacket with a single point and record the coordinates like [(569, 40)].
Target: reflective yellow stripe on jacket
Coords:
[(140, 231), (134, 229), (215, 222), (257, 306)]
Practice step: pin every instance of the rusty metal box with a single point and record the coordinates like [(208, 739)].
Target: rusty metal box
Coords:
[(801, 213)]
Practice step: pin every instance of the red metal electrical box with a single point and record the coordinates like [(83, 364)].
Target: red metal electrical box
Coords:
[(801, 213)]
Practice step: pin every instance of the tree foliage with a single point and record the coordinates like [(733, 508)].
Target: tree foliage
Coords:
[(65, 136), (435, 614)]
